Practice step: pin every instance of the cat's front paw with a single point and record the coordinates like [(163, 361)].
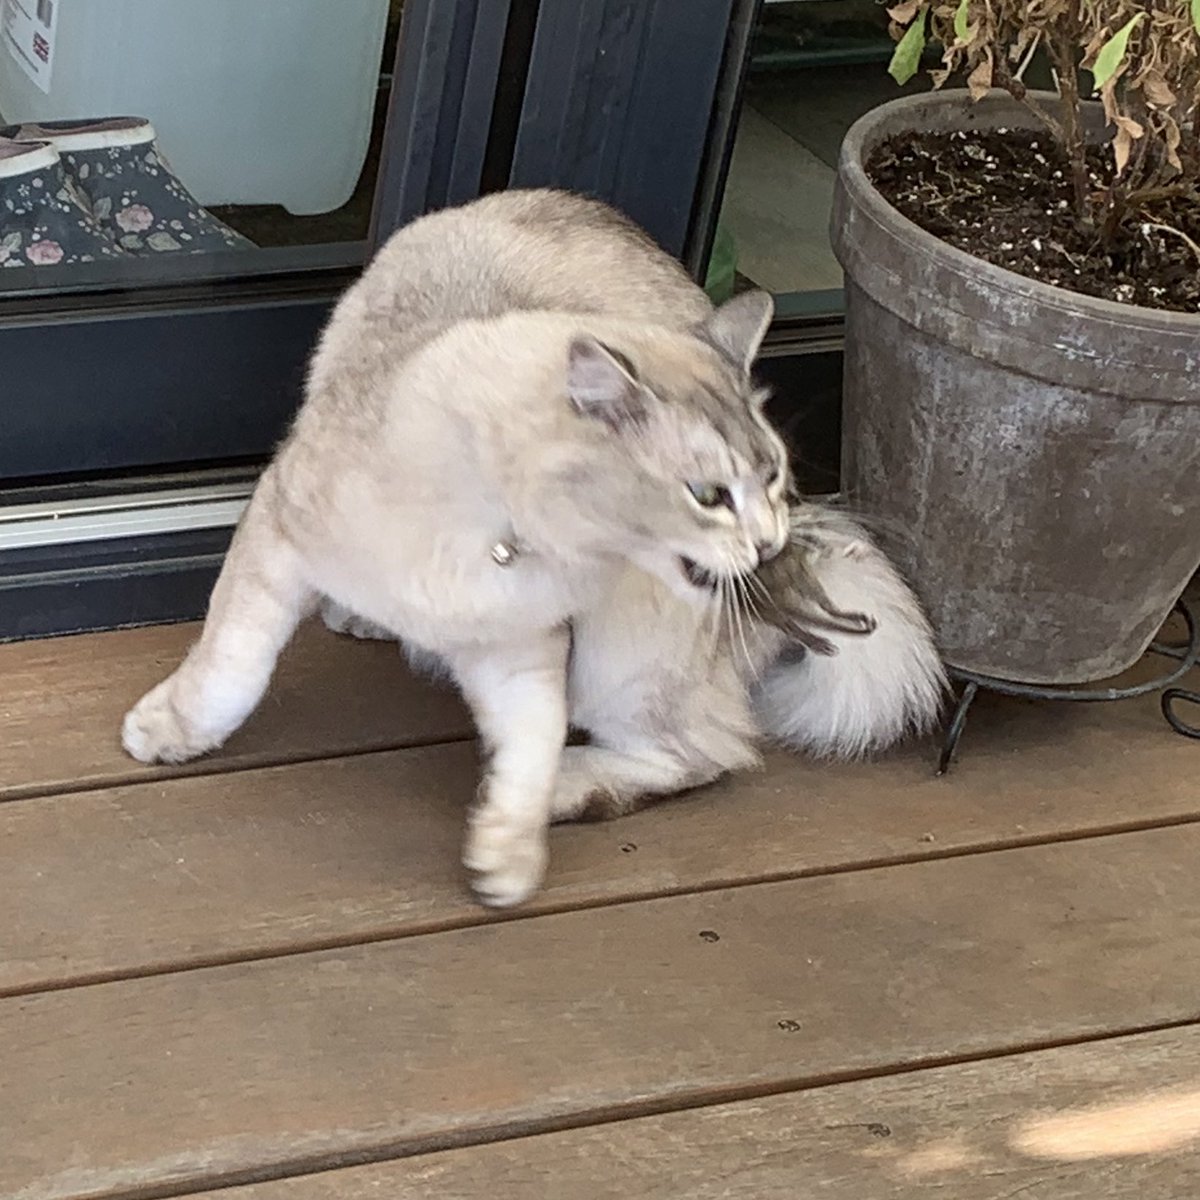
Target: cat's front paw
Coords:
[(155, 732), (507, 863)]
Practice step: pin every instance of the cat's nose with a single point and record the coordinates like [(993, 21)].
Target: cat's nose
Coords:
[(770, 549)]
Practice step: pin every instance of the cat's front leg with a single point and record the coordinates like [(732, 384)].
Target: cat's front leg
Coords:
[(518, 696)]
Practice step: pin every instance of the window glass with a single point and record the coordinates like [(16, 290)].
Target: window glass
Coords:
[(150, 141), (816, 66)]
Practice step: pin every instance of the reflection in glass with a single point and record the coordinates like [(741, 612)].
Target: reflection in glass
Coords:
[(816, 66), (145, 141)]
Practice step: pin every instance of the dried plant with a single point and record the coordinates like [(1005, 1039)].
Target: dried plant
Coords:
[(1144, 66)]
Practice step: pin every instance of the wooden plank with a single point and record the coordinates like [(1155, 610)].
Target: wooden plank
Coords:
[(227, 1074), (262, 862), (1108, 1119), (62, 701)]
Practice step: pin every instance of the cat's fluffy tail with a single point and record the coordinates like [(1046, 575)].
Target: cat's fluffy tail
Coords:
[(876, 688)]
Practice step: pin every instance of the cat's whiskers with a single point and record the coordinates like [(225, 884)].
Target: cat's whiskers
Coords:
[(710, 627), (750, 600), (731, 582), (759, 587), (735, 582), (730, 608), (726, 614), (753, 618)]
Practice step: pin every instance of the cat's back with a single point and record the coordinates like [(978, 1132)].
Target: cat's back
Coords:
[(567, 253), (522, 250), (534, 250)]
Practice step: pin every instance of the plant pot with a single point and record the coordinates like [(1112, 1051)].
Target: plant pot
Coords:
[(1038, 450)]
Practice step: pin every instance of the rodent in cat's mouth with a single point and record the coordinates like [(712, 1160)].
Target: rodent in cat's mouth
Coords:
[(696, 575)]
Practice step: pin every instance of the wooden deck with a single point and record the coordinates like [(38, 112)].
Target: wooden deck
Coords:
[(262, 973)]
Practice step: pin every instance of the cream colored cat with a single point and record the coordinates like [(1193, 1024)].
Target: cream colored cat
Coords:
[(532, 450)]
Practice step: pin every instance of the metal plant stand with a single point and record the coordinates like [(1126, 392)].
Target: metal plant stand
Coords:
[(1186, 656)]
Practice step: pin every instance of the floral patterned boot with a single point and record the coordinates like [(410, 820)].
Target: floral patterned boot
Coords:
[(132, 192), (42, 222)]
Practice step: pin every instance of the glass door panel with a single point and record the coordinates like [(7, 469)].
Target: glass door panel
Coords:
[(814, 67), (186, 187), (153, 141)]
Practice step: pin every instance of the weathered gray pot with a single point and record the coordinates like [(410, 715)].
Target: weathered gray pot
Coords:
[(1040, 449)]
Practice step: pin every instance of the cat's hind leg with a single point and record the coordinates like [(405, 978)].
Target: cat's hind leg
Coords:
[(659, 691), (653, 739), (599, 783), (259, 598)]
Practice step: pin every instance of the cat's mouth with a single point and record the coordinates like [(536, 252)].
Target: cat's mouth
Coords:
[(696, 575)]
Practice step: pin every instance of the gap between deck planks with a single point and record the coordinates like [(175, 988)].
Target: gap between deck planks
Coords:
[(182, 1081), (185, 872), (62, 701), (1107, 1120)]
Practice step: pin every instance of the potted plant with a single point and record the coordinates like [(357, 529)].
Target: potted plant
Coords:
[(1022, 368)]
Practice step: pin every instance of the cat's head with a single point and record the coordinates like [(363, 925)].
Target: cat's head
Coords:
[(698, 479)]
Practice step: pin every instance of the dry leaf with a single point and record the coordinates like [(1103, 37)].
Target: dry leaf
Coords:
[(1128, 131), (1131, 127), (980, 80), (1122, 144), (1108, 97), (904, 12), (1156, 90), (1023, 42), (1093, 47), (1173, 139)]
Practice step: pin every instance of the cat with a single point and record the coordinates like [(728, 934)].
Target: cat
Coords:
[(532, 451)]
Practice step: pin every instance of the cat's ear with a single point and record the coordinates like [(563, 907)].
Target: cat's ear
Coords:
[(602, 384), (738, 327)]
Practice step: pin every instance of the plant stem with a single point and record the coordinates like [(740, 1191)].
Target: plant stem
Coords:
[(1074, 142), (1191, 242), (1005, 79), (1020, 72)]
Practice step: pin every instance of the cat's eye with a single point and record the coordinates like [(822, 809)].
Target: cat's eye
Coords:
[(710, 495)]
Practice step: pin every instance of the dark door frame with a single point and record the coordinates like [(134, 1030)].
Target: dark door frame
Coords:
[(619, 103)]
